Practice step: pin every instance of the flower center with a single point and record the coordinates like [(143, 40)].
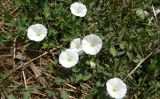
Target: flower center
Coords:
[(93, 44), (78, 47), (78, 10), (38, 33), (69, 59), (114, 89)]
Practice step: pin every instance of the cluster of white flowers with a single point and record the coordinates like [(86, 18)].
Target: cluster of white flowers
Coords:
[(91, 44), (38, 32)]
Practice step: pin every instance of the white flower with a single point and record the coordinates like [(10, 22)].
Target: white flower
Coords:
[(155, 12), (91, 44), (141, 13), (116, 88), (37, 32), (78, 9), (92, 64), (76, 44), (68, 58)]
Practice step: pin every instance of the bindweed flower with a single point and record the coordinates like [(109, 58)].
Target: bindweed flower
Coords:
[(37, 32), (92, 64), (78, 9), (141, 13), (76, 44), (91, 44), (155, 12), (68, 58), (116, 88)]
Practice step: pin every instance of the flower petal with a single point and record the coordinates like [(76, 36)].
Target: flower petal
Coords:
[(76, 44)]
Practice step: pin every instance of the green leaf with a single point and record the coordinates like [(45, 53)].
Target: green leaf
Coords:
[(47, 10), (113, 51), (50, 93), (6, 16), (26, 95), (79, 77), (58, 80), (98, 84), (82, 86), (64, 94), (11, 96), (130, 55), (76, 70), (5, 75), (86, 77), (34, 45), (122, 45)]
